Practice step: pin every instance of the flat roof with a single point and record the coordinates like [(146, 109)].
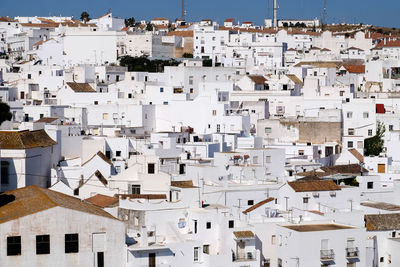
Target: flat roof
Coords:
[(317, 227)]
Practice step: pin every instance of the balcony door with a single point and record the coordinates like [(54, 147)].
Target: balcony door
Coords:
[(240, 249), (152, 259)]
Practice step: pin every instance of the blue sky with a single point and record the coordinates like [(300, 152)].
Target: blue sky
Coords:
[(380, 13)]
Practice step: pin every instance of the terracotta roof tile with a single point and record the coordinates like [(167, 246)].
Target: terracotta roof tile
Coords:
[(355, 68), (47, 120), (382, 222), (143, 196), (259, 204), (357, 154), (81, 87), (313, 186), (294, 79), (181, 33), (183, 184), (102, 156), (25, 139), (317, 227), (395, 43), (33, 199), (243, 234), (103, 201), (258, 79), (350, 169)]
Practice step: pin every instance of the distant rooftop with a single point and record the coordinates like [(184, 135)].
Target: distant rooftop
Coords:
[(317, 227)]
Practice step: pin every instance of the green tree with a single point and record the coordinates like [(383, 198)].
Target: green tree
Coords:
[(149, 27), (373, 146), (187, 55), (85, 17), (130, 22), (5, 114), (145, 64)]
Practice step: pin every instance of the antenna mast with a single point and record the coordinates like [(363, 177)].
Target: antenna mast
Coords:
[(325, 14), (183, 9)]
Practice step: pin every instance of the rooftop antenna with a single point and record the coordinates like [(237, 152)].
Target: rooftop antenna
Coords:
[(325, 14), (183, 9)]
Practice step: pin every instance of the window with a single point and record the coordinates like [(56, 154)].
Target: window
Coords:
[(214, 112), (301, 152), (191, 90), (118, 153), (365, 115), (350, 144), (71, 243), (13, 245), (190, 80), (161, 90), (29, 76), (4, 172), (250, 202), (196, 254), (100, 259), (135, 189), (273, 239), (218, 128), (165, 103), (390, 127), (268, 130), (349, 115), (206, 249), (369, 132), (150, 168), (105, 116), (267, 263), (231, 224), (208, 225), (305, 200), (255, 160), (370, 185), (96, 102), (268, 159), (360, 144), (393, 234), (351, 131), (42, 244), (382, 259)]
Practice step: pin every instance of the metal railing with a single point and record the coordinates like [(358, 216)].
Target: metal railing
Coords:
[(245, 256), (327, 254), (352, 252)]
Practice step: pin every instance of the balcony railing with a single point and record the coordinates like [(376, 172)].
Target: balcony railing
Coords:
[(327, 255), (245, 256), (352, 252)]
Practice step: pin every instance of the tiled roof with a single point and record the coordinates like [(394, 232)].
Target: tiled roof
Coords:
[(355, 68), (259, 204), (236, 29), (258, 79), (317, 227), (313, 185), (319, 64), (395, 43), (294, 79), (230, 20), (354, 48), (357, 154), (103, 201), (102, 156), (32, 199), (183, 184), (243, 234), (7, 19), (81, 87), (47, 119), (40, 25), (351, 169), (160, 19), (25, 139), (381, 206), (181, 33), (382, 222), (143, 196)]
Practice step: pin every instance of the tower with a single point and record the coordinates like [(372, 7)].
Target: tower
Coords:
[(325, 14), (275, 13), (183, 9)]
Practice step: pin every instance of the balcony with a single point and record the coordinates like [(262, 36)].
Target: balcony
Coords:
[(245, 256), (327, 255), (352, 252)]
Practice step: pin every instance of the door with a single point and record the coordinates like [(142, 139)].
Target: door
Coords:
[(381, 168), (240, 249), (152, 259), (328, 151), (22, 95), (100, 259)]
